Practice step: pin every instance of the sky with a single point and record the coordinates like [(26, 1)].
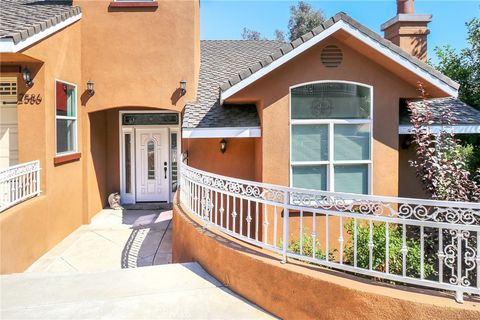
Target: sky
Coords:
[(225, 19)]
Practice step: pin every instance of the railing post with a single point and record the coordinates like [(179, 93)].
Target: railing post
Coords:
[(286, 223)]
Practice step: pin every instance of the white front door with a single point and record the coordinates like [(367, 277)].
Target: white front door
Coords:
[(152, 167)]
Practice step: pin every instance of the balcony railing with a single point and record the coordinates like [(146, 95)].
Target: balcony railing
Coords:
[(427, 243), (19, 183)]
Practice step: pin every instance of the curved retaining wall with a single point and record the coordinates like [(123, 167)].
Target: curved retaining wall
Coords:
[(299, 291)]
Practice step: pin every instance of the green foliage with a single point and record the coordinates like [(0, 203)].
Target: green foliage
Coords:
[(249, 34), (464, 66), (303, 18), (379, 245), (307, 246)]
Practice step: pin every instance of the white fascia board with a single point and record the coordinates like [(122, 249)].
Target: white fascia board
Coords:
[(326, 33), (436, 129), (280, 61), (8, 46), (225, 132)]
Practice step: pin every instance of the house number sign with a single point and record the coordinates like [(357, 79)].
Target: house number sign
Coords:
[(29, 99)]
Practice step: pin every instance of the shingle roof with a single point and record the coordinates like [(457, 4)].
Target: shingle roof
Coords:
[(247, 71), (21, 19), (221, 59), (225, 63), (463, 113)]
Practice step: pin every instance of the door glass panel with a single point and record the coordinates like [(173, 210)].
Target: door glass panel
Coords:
[(151, 160), (310, 142), (351, 178), (310, 177), (128, 163), (352, 141), (173, 156)]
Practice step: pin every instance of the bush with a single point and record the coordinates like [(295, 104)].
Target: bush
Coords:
[(395, 246), (307, 247)]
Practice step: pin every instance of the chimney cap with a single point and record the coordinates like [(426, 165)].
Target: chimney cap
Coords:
[(407, 18), (405, 6)]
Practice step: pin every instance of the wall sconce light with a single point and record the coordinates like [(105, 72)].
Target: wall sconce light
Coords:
[(90, 88), (223, 145), (27, 77), (183, 87)]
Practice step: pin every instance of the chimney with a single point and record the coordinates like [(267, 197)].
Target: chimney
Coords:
[(408, 30)]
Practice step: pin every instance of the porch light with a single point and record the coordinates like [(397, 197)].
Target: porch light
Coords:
[(27, 77), (223, 145), (183, 87), (90, 88)]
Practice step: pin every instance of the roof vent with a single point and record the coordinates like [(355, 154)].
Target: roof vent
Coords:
[(331, 56)]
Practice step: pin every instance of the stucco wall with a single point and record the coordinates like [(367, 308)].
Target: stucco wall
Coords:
[(271, 94), (239, 160), (137, 56), (30, 229), (298, 291)]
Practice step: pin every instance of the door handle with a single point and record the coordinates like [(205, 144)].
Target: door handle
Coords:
[(165, 169)]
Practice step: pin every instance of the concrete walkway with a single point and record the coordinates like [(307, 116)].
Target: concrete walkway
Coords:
[(174, 291), (94, 274), (115, 239)]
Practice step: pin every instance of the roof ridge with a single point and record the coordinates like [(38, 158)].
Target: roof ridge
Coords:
[(340, 16)]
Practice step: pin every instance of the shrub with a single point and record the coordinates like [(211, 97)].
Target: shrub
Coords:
[(307, 246), (395, 246)]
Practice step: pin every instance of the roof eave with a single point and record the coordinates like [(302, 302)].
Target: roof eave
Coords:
[(233, 86), (8, 45)]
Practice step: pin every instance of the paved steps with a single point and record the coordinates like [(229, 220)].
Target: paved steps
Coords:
[(170, 291)]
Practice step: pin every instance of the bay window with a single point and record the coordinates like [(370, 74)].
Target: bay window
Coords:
[(331, 137), (65, 117)]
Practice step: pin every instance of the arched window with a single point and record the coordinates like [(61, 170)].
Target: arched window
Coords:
[(331, 136)]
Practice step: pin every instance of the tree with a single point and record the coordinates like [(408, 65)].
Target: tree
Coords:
[(464, 67), (440, 162), (303, 18), (279, 35), (249, 34)]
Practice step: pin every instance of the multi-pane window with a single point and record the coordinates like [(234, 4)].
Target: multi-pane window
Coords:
[(66, 117), (331, 137)]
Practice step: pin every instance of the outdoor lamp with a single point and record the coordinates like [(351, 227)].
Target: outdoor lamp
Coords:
[(90, 88), (27, 77), (223, 145), (183, 87)]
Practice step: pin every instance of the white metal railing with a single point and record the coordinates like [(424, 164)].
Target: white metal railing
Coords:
[(420, 242), (18, 183)]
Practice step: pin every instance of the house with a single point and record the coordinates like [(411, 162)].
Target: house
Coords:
[(108, 96)]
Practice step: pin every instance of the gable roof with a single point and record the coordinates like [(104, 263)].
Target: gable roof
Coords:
[(220, 60), (340, 21), (24, 22)]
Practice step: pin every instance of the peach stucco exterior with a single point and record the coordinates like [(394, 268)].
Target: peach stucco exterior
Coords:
[(30, 229), (136, 58), (271, 94)]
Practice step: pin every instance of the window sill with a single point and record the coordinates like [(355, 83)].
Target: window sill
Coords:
[(61, 159), (133, 4)]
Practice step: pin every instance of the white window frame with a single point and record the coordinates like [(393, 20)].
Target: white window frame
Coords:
[(331, 162), (75, 120)]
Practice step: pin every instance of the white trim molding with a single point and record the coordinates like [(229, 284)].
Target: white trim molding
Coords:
[(436, 129), (225, 132), (340, 25), (8, 46)]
